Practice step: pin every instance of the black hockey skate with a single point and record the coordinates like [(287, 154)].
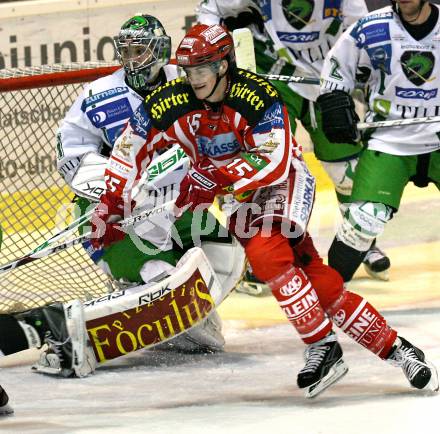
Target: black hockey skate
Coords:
[(67, 352), (5, 408), (420, 373), (377, 263), (324, 366)]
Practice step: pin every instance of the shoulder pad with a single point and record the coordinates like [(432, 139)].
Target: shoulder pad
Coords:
[(251, 95), (169, 102)]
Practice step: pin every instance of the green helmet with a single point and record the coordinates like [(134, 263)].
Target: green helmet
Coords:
[(143, 48)]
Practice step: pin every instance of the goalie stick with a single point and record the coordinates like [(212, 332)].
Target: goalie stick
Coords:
[(130, 221), (158, 170)]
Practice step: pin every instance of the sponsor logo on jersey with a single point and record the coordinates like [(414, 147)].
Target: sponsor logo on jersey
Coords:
[(273, 118), (374, 34), (418, 66), (298, 12), (299, 37), (162, 105), (112, 134), (115, 111), (332, 9), (102, 96), (381, 106), (374, 17), (242, 91), (380, 57), (123, 147), (416, 93), (140, 122), (268, 88), (218, 146), (304, 193)]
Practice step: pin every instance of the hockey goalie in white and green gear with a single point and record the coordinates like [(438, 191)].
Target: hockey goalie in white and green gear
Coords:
[(85, 139), (292, 37), (397, 49)]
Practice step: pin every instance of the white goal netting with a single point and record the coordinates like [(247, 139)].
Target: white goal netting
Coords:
[(32, 103)]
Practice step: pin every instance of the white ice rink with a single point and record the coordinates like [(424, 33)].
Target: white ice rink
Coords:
[(248, 389), (251, 388)]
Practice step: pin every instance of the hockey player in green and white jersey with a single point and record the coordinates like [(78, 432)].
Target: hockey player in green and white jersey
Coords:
[(292, 37), (398, 48)]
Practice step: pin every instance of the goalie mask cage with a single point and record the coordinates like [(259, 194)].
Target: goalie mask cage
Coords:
[(34, 100)]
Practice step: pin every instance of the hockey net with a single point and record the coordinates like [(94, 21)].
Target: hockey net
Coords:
[(33, 101)]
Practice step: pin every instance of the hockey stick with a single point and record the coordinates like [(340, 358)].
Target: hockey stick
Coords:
[(291, 78), (398, 122), (159, 168), (130, 221)]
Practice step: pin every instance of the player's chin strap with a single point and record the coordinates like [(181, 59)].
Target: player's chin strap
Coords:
[(217, 82), (397, 10)]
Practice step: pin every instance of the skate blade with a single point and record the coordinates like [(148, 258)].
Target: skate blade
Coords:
[(433, 384), (377, 275), (6, 410), (337, 371), (255, 290)]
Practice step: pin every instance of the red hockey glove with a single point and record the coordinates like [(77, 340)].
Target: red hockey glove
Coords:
[(104, 229), (200, 186)]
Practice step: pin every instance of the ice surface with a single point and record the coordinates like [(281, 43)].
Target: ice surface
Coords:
[(251, 388)]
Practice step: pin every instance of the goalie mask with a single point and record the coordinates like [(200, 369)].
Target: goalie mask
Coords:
[(143, 48)]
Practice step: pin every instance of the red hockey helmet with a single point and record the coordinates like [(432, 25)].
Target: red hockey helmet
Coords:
[(205, 44)]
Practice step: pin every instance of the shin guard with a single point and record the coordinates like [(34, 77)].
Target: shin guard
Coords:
[(299, 301), (363, 323)]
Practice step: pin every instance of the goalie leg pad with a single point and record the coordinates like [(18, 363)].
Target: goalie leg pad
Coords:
[(67, 352), (206, 337)]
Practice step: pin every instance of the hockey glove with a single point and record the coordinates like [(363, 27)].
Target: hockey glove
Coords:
[(339, 117), (104, 229), (200, 186)]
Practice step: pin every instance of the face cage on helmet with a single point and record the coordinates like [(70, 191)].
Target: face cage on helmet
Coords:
[(156, 55)]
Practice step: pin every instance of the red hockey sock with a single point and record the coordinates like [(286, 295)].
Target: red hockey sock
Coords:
[(363, 323), (300, 303)]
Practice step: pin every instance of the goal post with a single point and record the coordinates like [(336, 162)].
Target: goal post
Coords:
[(33, 101)]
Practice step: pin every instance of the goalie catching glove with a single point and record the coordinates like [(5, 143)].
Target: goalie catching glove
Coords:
[(200, 186), (105, 230), (339, 117)]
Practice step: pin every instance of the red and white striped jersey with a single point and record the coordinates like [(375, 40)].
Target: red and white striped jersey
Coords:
[(247, 136)]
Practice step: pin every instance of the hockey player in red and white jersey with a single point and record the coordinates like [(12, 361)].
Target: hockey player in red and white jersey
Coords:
[(235, 129)]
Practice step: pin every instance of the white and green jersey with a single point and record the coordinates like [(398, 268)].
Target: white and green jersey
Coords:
[(403, 79), (302, 31)]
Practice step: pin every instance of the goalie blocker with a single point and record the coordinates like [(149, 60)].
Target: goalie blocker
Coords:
[(140, 317)]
